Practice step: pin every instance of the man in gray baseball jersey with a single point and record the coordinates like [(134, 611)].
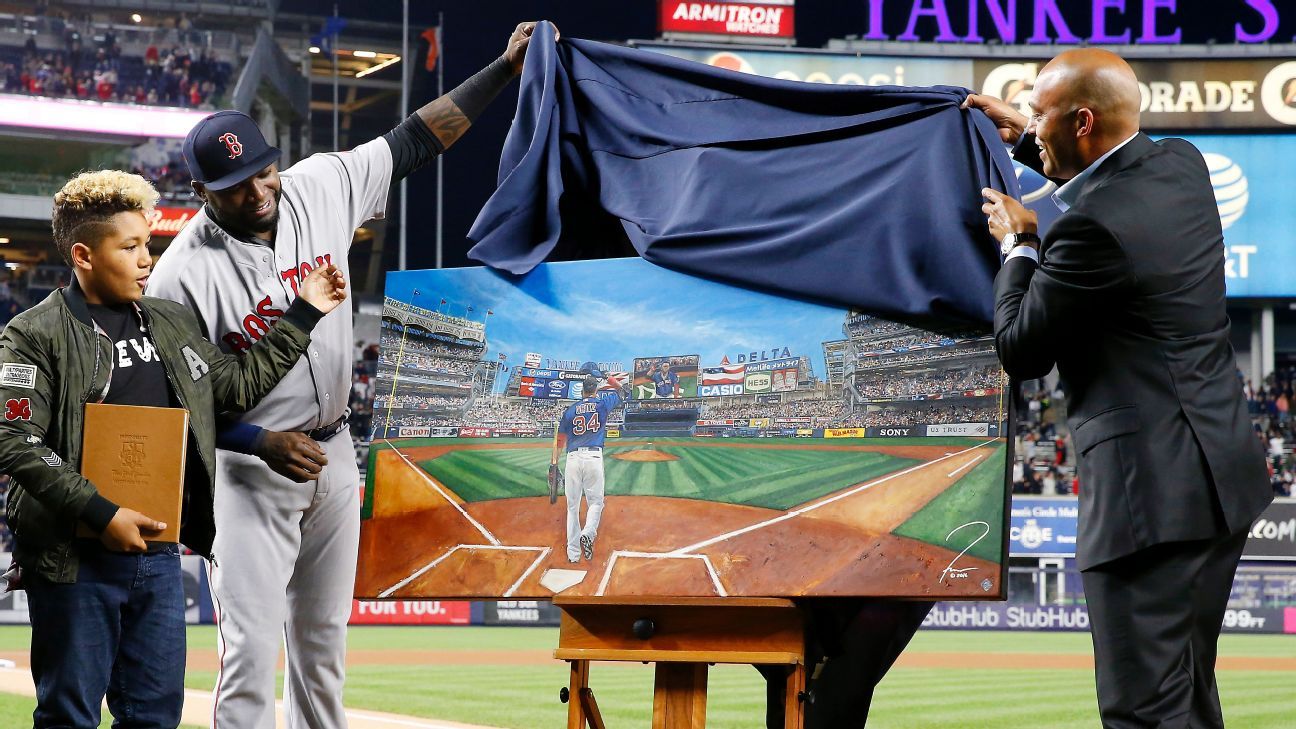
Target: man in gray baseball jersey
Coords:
[(287, 506)]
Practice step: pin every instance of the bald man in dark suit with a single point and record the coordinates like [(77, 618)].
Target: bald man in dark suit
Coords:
[(1125, 295)]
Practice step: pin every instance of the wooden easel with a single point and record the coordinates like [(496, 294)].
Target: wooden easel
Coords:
[(683, 636)]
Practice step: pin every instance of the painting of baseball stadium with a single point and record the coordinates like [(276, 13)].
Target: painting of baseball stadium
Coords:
[(612, 428)]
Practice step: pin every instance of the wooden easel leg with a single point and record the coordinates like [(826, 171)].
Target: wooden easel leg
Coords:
[(679, 696), (793, 706), (576, 715), (590, 706)]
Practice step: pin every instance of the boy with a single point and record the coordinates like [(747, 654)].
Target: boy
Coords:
[(108, 614)]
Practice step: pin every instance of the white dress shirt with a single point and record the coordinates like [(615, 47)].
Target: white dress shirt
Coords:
[(1066, 196)]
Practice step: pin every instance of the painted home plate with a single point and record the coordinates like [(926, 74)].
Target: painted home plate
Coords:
[(558, 580)]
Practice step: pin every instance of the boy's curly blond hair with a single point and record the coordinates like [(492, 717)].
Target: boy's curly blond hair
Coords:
[(84, 205)]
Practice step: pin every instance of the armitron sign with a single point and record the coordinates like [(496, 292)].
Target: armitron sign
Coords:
[(726, 18)]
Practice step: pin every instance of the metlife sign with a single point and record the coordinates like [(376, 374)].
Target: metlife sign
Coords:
[(1178, 94)]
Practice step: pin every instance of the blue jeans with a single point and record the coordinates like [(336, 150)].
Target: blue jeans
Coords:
[(120, 631)]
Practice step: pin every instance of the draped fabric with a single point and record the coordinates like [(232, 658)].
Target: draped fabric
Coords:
[(867, 197)]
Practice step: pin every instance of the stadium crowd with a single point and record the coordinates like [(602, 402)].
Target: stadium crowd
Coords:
[(1270, 407), (177, 74)]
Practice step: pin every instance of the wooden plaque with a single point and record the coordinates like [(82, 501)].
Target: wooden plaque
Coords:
[(135, 457)]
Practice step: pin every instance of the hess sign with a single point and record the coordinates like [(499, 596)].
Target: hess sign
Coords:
[(726, 18)]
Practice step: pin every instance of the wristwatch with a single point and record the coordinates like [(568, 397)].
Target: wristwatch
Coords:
[(1012, 240)]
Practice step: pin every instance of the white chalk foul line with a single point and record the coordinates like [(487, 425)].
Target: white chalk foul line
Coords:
[(496, 547), (951, 474), (436, 486), (838, 497), (607, 573), (543, 553)]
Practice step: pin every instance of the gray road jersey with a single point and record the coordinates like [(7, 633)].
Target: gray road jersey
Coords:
[(239, 289)]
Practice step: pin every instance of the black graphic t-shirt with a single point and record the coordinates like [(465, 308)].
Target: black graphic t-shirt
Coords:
[(138, 376)]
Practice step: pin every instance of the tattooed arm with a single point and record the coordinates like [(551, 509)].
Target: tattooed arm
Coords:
[(437, 125)]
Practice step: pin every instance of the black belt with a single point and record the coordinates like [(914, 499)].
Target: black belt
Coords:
[(324, 432)]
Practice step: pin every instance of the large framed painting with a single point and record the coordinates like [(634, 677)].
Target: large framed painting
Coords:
[(613, 428)]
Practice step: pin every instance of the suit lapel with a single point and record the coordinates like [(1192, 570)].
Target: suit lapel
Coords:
[(1137, 148)]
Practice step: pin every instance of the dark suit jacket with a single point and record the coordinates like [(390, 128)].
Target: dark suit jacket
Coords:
[(1128, 301)]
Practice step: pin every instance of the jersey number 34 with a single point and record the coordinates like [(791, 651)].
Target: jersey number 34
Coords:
[(582, 424)]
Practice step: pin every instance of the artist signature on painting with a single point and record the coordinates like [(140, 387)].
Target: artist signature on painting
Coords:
[(961, 573)]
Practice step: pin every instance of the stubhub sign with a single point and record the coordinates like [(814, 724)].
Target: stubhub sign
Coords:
[(1252, 194)]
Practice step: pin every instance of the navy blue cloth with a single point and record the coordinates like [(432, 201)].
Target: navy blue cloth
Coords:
[(868, 197), (119, 631)]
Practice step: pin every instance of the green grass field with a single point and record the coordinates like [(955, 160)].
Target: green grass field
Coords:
[(526, 696), (980, 491)]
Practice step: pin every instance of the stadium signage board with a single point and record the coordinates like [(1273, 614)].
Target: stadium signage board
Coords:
[(1177, 94), (1048, 527), (1062, 22), (168, 221), (829, 68), (768, 20), (1251, 176), (1004, 616), (1273, 536), (731, 495), (1043, 527)]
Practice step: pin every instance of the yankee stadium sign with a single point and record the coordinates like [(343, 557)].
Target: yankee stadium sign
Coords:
[(1079, 21)]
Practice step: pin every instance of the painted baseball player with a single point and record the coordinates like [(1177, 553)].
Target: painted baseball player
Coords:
[(581, 432), (666, 382), (286, 504)]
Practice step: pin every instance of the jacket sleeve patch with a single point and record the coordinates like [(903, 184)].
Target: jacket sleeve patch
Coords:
[(197, 367), (13, 374), (18, 409)]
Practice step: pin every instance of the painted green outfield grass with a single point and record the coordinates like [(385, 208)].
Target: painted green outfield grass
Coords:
[(773, 479), (979, 494), (527, 476)]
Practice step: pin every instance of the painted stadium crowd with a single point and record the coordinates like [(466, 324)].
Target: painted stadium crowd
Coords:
[(428, 363), (405, 401), (900, 417), (928, 355), (983, 377), (785, 409), (867, 327)]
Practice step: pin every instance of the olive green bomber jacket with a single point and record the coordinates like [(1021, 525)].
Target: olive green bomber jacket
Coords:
[(54, 360)]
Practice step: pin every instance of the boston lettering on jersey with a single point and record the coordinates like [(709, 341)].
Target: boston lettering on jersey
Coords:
[(258, 322)]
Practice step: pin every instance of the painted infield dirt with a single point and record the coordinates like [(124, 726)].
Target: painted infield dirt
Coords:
[(840, 547)]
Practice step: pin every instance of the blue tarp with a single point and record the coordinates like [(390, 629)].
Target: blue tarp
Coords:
[(868, 197)]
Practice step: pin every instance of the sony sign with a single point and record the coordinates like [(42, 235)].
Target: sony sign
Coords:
[(1072, 21)]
